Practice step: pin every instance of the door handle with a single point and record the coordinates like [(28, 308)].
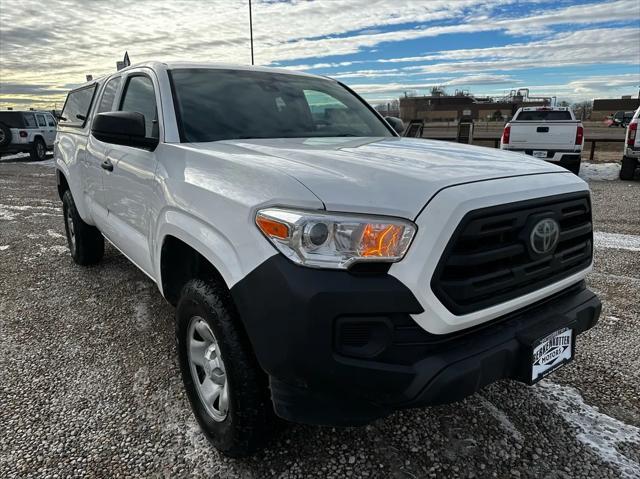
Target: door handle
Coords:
[(107, 165)]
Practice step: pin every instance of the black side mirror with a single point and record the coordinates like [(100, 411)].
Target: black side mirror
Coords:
[(122, 128), (396, 123)]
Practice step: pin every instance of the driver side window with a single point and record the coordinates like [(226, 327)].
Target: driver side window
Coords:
[(140, 96)]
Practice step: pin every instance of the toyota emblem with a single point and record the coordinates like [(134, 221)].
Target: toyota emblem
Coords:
[(544, 236)]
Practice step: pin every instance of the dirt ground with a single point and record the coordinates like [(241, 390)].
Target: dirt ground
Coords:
[(90, 387)]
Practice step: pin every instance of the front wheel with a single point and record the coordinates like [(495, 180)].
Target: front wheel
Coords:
[(227, 389)]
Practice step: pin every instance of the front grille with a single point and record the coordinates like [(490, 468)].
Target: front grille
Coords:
[(489, 260)]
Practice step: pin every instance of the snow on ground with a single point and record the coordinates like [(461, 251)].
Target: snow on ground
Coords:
[(502, 418), (599, 432), (615, 240), (22, 157), (599, 171)]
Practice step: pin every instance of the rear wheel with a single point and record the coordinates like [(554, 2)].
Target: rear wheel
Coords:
[(39, 150), (628, 168), (573, 167), (86, 243), (227, 389)]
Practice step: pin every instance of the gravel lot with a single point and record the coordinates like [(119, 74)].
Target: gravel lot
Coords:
[(90, 387)]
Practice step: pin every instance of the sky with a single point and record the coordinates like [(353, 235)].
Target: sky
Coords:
[(574, 50)]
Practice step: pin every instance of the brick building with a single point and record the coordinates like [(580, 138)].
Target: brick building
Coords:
[(450, 108), (603, 107)]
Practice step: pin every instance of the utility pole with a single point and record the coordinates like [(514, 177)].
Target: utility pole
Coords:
[(251, 31)]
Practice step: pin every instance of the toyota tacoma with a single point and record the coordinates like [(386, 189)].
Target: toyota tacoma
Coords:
[(324, 270)]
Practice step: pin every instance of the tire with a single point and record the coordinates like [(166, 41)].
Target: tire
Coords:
[(39, 150), (573, 168), (5, 135), (628, 169), (244, 421), (85, 242)]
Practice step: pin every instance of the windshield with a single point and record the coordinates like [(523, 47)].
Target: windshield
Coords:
[(235, 104)]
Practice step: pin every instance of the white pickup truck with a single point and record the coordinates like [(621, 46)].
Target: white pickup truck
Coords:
[(548, 133), (324, 269)]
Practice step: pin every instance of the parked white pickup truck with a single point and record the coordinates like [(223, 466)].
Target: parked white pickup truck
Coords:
[(631, 157), (548, 133), (324, 269)]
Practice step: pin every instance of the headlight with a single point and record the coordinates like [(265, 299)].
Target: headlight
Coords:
[(333, 240)]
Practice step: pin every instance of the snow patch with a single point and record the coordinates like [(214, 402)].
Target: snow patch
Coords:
[(596, 430), (55, 234), (502, 418), (51, 163), (3, 248), (16, 156), (143, 318), (599, 171), (615, 240), (6, 215)]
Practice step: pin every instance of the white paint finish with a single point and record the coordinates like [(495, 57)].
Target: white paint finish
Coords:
[(599, 432), (392, 176), (210, 202), (559, 134), (602, 239), (436, 225), (633, 149), (207, 194)]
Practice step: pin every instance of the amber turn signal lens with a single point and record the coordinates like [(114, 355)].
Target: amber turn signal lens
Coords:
[(380, 240), (272, 228)]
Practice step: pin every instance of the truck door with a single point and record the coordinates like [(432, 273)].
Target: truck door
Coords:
[(93, 172), (130, 195)]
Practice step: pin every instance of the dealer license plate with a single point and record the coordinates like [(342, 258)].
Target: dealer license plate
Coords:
[(539, 154), (551, 352)]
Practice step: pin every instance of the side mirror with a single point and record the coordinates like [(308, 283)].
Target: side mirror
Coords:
[(122, 128), (396, 123)]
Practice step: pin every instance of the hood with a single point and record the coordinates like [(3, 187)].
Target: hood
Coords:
[(391, 176)]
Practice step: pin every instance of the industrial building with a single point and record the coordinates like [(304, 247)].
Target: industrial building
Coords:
[(442, 107)]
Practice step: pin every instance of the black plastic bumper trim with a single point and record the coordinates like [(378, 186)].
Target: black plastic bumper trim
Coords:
[(290, 314)]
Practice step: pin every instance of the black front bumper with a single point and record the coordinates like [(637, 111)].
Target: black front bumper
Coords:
[(342, 349)]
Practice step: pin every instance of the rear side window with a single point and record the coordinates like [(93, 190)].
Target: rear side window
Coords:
[(30, 120), (544, 115), (108, 95), (12, 119), (76, 108), (139, 96)]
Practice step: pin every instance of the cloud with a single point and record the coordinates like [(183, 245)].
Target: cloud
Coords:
[(76, 37)]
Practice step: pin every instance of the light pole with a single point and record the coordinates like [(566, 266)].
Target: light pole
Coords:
[(251, 31)]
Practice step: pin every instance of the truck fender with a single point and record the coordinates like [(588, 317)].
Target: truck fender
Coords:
[(211, 243), (63, 174)]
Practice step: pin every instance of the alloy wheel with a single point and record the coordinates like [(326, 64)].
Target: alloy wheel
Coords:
[(207, 369)]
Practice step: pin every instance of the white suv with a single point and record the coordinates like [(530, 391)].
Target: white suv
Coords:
[(324, 270), (32, 132)]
